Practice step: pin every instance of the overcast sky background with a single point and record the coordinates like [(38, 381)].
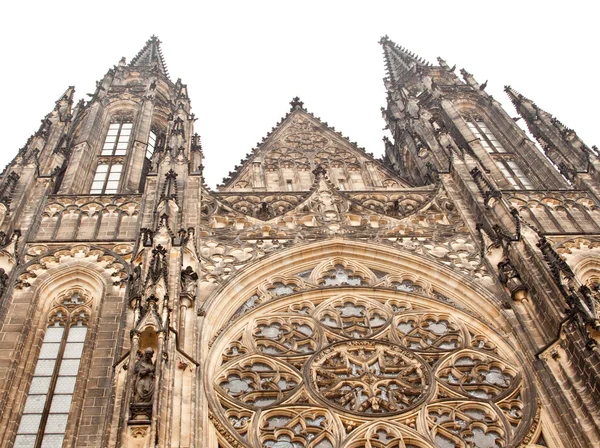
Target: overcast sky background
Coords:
[(244, 61)]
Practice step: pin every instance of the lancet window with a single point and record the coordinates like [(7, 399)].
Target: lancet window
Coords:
[(513, 174), (110, 164), (117, 139), (46, 412), (489, 142), (508, 167)]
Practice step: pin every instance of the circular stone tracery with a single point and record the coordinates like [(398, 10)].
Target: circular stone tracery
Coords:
[(368, 377)]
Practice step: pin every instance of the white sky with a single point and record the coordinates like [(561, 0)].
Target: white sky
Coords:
[(244, 61)]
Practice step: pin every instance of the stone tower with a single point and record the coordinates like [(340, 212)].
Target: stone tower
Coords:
[(443, 297)]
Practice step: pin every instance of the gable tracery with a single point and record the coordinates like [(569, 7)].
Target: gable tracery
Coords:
[(300, 145)]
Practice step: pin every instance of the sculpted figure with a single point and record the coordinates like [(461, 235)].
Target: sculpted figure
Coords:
[(188, 281), (144, 378), (136, 281)]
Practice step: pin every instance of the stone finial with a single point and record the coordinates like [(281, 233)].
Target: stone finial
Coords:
[(319, 172), (296, 103)]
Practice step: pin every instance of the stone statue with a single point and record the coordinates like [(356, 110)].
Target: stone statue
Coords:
[(188, 281), (135, 280), (144, 378)]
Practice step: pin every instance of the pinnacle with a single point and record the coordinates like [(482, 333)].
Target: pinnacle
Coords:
[(515, 97), (67, 96), (150, 55), (524, 106)]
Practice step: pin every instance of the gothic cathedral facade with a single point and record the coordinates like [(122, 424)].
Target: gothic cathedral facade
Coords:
[(445, 296)]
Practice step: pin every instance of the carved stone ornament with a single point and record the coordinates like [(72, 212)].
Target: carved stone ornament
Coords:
[(369, 377)]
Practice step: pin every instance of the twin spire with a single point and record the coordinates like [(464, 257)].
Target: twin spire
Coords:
[(399, 61)]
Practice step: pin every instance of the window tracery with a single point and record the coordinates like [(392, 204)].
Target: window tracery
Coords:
[(322, 368), (110, 165), (45, 416), (509, 168)]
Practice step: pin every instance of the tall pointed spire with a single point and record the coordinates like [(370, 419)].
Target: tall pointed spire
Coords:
[(399, 61), (561, 144), (149, 55)]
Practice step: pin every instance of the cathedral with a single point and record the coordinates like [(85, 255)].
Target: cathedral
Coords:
[(447, 295)]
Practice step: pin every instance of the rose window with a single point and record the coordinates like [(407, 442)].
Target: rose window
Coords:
[(366, 368), (368, 377)]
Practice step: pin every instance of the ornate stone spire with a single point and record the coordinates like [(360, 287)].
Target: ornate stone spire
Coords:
[(150, 55), (399, 61)]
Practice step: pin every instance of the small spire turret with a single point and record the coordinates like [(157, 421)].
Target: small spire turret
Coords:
[(561, 144)]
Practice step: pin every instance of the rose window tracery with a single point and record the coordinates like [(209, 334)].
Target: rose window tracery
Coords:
[(371, 377), (353, 318), (367, 368)]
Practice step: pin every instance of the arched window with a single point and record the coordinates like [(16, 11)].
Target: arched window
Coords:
[(513, 174), (44, 420), (110, 165), (489, 142), (502, 158)]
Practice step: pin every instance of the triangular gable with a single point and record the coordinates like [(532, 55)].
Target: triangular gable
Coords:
[(300, 143)]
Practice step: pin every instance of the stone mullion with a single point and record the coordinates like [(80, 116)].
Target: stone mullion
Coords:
[(551, 217), (585, 211), (118, 226), (57, 226), (572, 220), (52, 386), (77, 225), (98, 223), (533, 217)]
